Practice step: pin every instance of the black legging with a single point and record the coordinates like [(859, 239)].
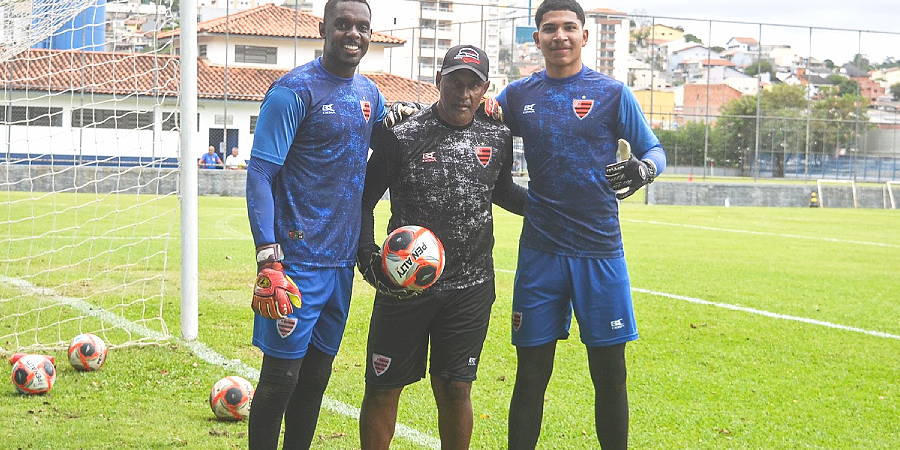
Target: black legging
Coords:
[(534, 368), (289, 389)]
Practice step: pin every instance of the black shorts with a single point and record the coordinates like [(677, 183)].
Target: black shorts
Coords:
[(455, 321)]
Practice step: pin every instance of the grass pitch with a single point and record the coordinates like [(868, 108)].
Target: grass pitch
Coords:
[(760, 328)]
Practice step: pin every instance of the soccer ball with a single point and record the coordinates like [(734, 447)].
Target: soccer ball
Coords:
[(413, 257), (230, 398), (33, 374), (87, 352)]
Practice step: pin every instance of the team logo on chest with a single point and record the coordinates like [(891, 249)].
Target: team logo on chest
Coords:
[(366, 108), (483, 154), (582, 107)]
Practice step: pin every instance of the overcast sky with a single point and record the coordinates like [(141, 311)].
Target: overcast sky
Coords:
[(839, 46)]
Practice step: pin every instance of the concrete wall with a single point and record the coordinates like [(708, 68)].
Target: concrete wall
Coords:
[(132, 180), (761, 194), (232, 183)]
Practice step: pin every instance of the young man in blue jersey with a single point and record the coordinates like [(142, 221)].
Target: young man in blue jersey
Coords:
[(571, 256), (304, 189)]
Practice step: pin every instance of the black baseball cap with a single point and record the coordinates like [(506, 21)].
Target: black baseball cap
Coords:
[(466, 57)]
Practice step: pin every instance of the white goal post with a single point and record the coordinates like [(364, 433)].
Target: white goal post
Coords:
[(823, 187), (90, 175), (890, 200)]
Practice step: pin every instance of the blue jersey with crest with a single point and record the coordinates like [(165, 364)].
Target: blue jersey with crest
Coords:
[(317, 127), (570, 128)]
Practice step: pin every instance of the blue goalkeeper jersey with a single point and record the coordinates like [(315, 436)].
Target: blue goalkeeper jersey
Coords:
[(570, 128), (317, 127)]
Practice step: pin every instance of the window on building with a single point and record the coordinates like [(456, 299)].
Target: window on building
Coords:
[(253, 124), (112, 118), (201, 50), (171, 121), (253, 54), (39, 116)]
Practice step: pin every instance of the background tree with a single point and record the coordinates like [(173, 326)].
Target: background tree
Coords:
[(781, 124), (761, 66), (895, 91), (688, 37), (836, 119), (862, 62), (844, 85), (685, 145)]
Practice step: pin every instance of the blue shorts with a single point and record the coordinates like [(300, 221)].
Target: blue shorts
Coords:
[(321, 318), (549, 287)]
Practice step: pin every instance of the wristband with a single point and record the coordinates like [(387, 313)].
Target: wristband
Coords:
[(269, 253), (651, 167)]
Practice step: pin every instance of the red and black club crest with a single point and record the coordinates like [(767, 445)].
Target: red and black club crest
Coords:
[(582, 107), (516, 320), (286, 326), (380, 363), (366, 108), (483, 154)]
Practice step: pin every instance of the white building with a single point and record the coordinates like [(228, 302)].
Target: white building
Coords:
[(124, 106)]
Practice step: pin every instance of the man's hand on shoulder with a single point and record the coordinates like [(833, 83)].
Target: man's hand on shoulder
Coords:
[(398, 112), (491, 108)]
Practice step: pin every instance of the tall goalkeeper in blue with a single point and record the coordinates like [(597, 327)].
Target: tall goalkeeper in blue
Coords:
[(304, 190), (571, 257)]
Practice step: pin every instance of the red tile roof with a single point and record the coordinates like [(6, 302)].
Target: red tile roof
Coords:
[(717, 62), (605, 12), (746, 40), (149, 74), (271, 20)]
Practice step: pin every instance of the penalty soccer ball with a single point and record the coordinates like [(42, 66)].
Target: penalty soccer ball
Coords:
[(230, 398), (33, 374), (87, 352), (413, 257)]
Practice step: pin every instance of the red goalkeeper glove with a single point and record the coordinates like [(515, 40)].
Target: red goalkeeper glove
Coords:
[(491, 108), (274, 294)]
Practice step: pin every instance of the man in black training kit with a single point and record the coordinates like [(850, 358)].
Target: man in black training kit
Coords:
[(444, 166)]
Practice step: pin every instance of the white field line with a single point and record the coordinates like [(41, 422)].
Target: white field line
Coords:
[(755, 311), (765, 233), (205, 353)]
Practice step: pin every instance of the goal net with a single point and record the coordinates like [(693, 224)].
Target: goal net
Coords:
[(837, 193), (890, 194), (88, 173)]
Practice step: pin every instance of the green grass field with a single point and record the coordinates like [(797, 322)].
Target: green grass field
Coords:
[(761, 328)]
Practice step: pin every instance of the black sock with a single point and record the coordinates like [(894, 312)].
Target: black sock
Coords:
[(608, 372), (302, 412), (277, 379)]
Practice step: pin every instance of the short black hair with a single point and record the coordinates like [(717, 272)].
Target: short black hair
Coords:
[(330, 5), (557, 5)]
